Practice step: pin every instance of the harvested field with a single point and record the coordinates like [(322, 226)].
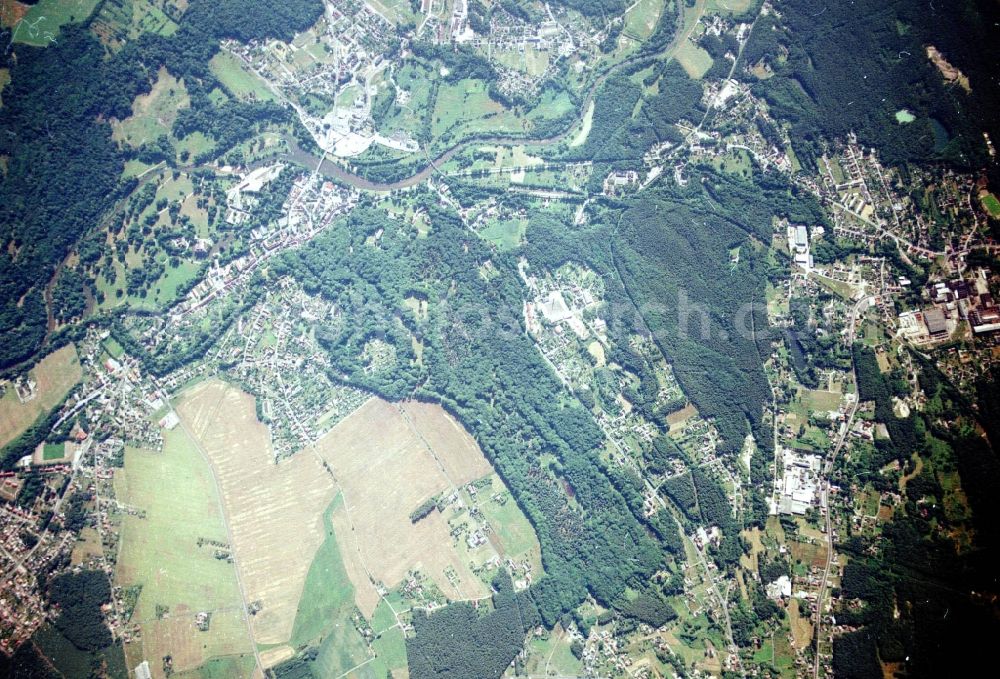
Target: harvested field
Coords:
[(11, 11), (388, 459), (677, 419), (179, 508), (452, 446), (54, 376), (274, 511)]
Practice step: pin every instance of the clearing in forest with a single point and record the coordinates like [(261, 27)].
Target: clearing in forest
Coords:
[(53, 376), (153, 114), (693, 59)]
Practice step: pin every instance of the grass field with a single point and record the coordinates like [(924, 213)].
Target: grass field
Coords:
[(694, 59), (274, 511), (588, 120), (54, 376), (327, 592), (41, 24), (990, 202), (241, 83), (550, 654), (153, 114), (387, 460), (241, 665), (505, 234), (517, 537), (727, 6), (176, 491), (818, 400), (53, 451), (640, 22)]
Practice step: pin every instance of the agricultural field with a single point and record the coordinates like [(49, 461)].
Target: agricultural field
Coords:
[(168, 547), (695, 60), (54, 376), (153, 114), (415, 452), (40, 24), (241, 83), (265, 504)]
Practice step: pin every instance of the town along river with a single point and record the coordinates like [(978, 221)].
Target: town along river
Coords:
[(338, 173)]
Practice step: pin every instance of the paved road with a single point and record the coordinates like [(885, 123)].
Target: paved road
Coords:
[(826, 493)]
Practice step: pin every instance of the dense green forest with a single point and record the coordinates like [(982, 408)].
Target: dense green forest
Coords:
[(918, 594), (459, 641), (479, 363), (852, 66)]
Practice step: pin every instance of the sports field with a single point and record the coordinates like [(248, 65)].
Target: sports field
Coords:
[(54, 376), (175, 491), (991, 204), (275, 512)]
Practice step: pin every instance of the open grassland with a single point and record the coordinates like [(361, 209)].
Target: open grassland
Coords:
[(515, 535), (153, 114), (727, 6), (694, 59), (241, 83), (386, 468), (274, 511), (41, 24), (54, 376), (640, 21), (327, 605), (175, 490)]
